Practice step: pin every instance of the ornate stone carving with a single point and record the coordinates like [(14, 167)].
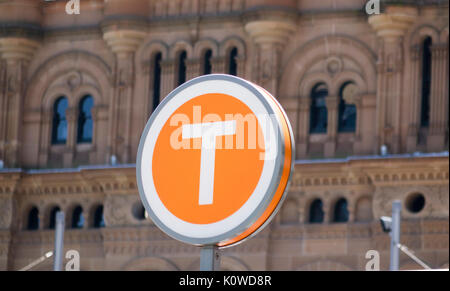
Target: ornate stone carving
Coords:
[(5, 213)]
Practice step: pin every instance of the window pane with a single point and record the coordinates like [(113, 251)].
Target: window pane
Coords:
[(85, 122), (77, 217), (341, 211), (52, 222), (59, 131), (316, 213), (347, 108), (318, 112), (99, 220)]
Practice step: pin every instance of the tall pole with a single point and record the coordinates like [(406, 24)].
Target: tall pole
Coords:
[(59, 241), (209, 258), (395, 234)]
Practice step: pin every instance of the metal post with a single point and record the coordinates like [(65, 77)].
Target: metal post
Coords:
[(395, 234), (59, 241), (209, 258)]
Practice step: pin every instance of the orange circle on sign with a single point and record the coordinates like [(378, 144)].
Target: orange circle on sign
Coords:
[(238, 163)]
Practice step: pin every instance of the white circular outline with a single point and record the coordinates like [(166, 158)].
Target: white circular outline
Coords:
[(221, 227)]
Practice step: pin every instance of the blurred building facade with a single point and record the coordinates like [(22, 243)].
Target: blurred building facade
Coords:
[(367, 96)]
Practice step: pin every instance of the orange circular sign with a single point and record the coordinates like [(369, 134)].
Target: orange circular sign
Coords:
[(215, 160)]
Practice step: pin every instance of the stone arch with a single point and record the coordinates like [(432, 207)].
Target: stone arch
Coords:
[(149, 264), (179, 46), (324, 266), (204, 44), (420, 33), (299, 63), (344, 77), (363, 209), (148, 50), (233, 41), (67, 63), (312, 80)]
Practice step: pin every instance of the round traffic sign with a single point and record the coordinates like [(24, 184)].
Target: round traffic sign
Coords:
[(215, 160)]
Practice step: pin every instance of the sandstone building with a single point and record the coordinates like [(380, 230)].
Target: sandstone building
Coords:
[(76, 92)]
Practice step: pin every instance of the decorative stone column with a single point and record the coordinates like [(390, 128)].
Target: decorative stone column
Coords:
[(193, 69), (332, 103), (16, 53), (270, 31), (69, 152), (168, 77), (439, 94), (218, 65), (304, 107), (414, 106), (390, 27), (123, 42)]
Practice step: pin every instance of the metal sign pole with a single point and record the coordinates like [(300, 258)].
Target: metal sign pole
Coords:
[(59, 241), (209, 258), (395, 234)]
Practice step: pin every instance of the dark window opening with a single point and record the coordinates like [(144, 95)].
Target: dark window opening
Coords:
[(77, 217), (52, 222), (99, 220), (182, 68), (157, 80), (347, 110), (85, 121), (59, 126), (318, 113), (232, 62), (139, 211), (426, 83), (207, 67), (33, 219), (316, 214), (341, 211)]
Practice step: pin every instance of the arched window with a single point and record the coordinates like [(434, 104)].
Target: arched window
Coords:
[(85, 122), (59, 127), (33, 219), (316, 213), (318, 122), (182, 67), (347, 108), (207, 67), (232, 62), (157, 80), (340, 211), (426, 83), (77, 217), (99, 220), (52, 222)]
